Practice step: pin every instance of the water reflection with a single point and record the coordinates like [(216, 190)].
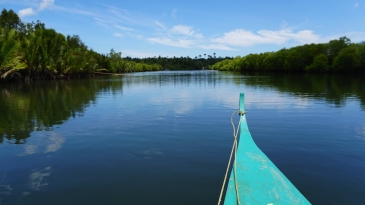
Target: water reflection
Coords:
[(145, 154), (50, 143), (38, 106), (38, 178), (335, 88), (361, 132), (5, 189)]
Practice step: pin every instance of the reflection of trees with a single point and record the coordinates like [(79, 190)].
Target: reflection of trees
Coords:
[(333, 88), (173, 77), (25, 108)]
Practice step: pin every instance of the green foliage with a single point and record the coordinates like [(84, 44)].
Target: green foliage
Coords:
[(179, 63), (334, 47), (346, 60), (337, 55), (9, 19), (10, 58), (320, 64)]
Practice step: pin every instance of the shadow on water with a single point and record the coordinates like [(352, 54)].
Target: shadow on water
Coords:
[(36, 106), (333, 88)]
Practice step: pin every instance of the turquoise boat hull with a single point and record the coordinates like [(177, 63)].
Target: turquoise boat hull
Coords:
[(258, 180)]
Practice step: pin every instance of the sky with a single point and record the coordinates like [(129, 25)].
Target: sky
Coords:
[(168, 28)]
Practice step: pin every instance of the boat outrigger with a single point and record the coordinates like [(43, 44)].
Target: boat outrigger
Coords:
[(254, 179)]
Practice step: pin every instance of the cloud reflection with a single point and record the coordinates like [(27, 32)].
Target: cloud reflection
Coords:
[(56, 142), (5, 189), (261, 100), (49, 143), (38, 179), (180, 103), (360, 132)]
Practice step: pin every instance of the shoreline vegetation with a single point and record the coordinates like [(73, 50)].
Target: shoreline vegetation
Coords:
[(30, 51)]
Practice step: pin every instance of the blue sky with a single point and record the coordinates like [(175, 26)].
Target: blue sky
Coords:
[(145, 28)]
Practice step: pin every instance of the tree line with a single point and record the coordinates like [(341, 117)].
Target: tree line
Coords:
[(181, 63), (338, 55), (31, 51)]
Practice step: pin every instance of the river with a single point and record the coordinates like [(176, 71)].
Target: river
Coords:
[(165, 137)]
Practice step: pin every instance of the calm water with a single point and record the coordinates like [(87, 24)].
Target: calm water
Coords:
[(165, 137)]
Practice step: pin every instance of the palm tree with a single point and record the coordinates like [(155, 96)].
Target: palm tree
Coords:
[(11, 59)]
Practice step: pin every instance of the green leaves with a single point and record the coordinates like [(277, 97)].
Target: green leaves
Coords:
[(320, 64), (10, 58), (336, 56)]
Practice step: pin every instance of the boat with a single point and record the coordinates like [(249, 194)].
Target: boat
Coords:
[(254, 179)]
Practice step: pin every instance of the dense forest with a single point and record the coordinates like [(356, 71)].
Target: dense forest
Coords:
[(335, 56), (30, 51)]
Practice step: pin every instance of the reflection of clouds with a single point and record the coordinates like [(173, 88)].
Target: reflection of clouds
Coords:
[(229, 98), (37, 179), (56, 142), (52, 143), (181, 102), (360, 132), (180, 98), (5, 189), (30, 149), (261, 100)]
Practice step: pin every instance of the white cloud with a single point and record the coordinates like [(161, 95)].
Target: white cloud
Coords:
[(216, 47), (33, 11), (185, 30), (46, 4), (73, 11), (356, 5), (173, 13), (160, 25), (178, 36), (123, 28), (240, 37), (102, 22), (118, 35), (169, 42), (26, 12)]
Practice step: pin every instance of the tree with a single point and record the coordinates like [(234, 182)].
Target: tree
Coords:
[(335, 47), (346, 60), (11, 60), (9, 19), (320, 63)]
